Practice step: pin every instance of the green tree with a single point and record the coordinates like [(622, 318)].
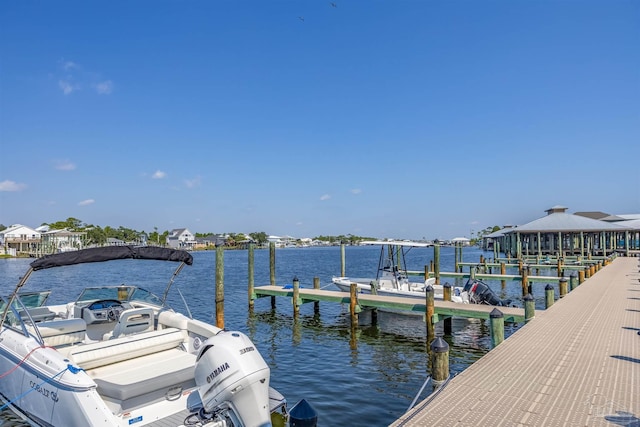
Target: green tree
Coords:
[(260, 237), (71, 224)]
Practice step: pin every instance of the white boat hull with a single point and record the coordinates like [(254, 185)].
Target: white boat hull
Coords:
[(411, 289)]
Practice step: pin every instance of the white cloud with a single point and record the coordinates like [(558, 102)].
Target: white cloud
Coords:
[(192, 183), (105, 87), (159, 175), (64, 165), (356, 191), (68, 65), (86, 202), (67, 87), (8, 185), (325, 197)]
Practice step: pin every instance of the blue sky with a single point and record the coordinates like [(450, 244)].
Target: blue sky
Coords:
[(402, 119)]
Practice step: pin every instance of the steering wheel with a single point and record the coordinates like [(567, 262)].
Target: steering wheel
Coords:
[(101, 311), (114, 312)]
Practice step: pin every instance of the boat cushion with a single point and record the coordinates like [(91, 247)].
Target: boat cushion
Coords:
[(132, 378), (116, 350), (62, 332)]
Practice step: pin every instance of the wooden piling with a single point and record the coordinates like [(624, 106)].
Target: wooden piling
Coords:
[(436, 263), (563, 287), (573, 281), (549, 296), (559, 266), (220, 287), (524, 272), (426, 272), (343, 262), (252, 294), (353, 305), (439, 361), (446, 296), (296, 296), (503, 271), (496, 320), (529, 308), (430, 311), (580, 276), (316, 304), (272, 270)]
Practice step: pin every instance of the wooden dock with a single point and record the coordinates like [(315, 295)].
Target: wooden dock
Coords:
[(442, 308), (575, 364)]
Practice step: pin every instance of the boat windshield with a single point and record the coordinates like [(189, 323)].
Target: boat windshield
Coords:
[(122, 293), (34, 299)]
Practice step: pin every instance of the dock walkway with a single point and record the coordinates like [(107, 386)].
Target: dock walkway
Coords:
[(442, 308), (576, 364)]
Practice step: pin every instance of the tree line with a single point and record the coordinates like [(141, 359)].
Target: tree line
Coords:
[(97, 235)]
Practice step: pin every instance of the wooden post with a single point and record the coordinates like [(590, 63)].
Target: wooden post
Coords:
[(524, 271), (580, 276), (426, 272), (573, 281), (560, 272), (529, 308), (549, 296), (439, 361), (503, 271), (272, 270), (436, 259), (343, 262), (430, 312), (562, 285), (455, 255), (353, 305), (496, 319), (446, 296), (296, 296), (220, 287), (316, 304), (252, 294)]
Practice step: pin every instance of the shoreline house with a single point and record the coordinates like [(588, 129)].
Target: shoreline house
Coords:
[(54, 241), (181, 238), (19, 238), (560, 233)]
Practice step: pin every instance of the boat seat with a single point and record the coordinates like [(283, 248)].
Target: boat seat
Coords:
[(102, 353), (132, 321), (165, 370), (38, 314), (56, 333)]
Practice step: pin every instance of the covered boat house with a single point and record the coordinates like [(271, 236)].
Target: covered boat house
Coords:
[(562, 234)]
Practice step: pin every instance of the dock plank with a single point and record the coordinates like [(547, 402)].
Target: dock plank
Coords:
[(575, 364)]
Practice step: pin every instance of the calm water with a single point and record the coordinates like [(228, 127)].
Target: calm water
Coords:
[(367, 382)]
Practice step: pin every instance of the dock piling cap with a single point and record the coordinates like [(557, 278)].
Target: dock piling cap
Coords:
[(548, 287), (439, 345), (495, 314)]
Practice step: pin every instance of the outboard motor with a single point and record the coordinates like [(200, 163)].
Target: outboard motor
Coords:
[(480, 293), (233, 382)]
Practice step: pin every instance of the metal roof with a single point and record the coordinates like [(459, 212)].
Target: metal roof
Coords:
[(561, 221)]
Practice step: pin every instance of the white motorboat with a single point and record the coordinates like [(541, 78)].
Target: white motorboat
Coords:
[(392, 278), (119, 356)]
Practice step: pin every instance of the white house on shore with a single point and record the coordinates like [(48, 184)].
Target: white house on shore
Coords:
[(18, 238), (181, 238)]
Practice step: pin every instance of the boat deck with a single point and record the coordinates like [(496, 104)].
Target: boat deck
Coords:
[(575, 364)]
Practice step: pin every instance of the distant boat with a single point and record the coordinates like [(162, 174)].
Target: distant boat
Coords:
[(392, 279)]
